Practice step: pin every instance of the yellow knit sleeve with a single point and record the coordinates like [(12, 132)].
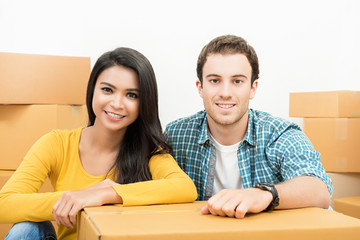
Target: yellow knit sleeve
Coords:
[(169, 184), (19, 200)]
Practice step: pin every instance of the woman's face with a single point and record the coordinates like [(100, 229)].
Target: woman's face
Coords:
[(116, 98)]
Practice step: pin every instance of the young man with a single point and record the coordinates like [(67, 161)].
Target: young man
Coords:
[(242, 160)]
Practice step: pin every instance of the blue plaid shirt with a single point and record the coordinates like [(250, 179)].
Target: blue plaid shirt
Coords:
[(273, 150)]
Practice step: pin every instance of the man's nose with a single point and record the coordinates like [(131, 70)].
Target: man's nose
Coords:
[(225, 90)]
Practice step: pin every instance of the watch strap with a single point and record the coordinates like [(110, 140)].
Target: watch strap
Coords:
[(271, 188)]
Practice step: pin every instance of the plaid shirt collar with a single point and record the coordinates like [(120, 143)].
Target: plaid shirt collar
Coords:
[(250, 137)]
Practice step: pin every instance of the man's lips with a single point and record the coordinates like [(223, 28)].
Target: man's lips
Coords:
[(225, 105)]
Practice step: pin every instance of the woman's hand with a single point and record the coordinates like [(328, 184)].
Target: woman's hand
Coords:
[(71, 202)]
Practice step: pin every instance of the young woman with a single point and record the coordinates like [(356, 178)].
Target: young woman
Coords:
[(121, 157)]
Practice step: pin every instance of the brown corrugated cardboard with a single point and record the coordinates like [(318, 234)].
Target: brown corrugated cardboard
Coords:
[(22, 125), (184, 221), (4, 177), (345, 185), (43, 79), (338, 141), (341, 104), (349, 206)]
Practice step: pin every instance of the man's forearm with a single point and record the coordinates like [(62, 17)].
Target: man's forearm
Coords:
[(304, 191)]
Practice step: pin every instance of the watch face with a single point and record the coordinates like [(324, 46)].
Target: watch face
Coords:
[(271, 188), (264, 186)]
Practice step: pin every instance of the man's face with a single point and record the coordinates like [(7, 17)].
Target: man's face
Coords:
[(226, 88)]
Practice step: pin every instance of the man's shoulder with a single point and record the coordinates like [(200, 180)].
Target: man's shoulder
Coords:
[(193, 121), (267, 120), (271, 127)]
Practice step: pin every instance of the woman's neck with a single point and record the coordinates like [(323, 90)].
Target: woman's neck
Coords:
[(103, 140)]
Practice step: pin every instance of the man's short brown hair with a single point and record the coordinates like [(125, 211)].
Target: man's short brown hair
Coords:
[(229, 44)]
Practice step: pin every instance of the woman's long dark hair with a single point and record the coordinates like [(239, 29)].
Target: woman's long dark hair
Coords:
[(143, 138)]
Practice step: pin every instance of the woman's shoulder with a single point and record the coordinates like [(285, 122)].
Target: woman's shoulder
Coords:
[(65, 134), (58, 138)]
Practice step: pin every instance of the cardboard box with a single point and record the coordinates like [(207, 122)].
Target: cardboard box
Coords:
[(4, 177), (349, 206), (338, 141), (43, 79), (184, 221), (340, 104), (22, 125), (345, 185)]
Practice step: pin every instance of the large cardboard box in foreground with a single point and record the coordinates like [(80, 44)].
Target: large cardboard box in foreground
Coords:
[(338, 141), (22, 125), (340, 104), (349, 206), (4, 177), (43, 79), (184, 221)]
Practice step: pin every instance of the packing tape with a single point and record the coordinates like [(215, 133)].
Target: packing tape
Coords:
[(341, 163), (355, 114), (341, 129)]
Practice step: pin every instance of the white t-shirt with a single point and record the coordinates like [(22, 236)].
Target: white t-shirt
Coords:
[(227, 173)]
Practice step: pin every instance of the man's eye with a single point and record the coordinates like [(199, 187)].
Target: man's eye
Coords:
[(214, 80), (237, 81), (106, 89), (132, 95)]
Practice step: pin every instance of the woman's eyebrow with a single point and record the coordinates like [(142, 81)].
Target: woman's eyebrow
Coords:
[(108, 84)]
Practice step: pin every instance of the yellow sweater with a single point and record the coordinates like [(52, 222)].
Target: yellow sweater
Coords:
[(56, 155)]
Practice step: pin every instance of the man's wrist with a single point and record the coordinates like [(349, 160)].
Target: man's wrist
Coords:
[(271, 188)]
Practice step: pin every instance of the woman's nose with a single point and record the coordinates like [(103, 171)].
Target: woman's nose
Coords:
[(116, 102)]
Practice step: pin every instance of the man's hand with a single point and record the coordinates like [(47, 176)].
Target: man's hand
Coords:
[(71, 202), (237, 202)]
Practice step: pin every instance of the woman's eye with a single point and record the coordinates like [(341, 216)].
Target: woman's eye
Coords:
[(106, 89), (132, 95)]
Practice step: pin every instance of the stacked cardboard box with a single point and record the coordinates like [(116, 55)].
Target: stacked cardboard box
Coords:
[(38, 93), (332, 123), (348, 205)]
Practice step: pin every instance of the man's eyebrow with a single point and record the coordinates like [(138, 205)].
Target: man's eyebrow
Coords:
[(212, 75), (216, 75), (239, 75)]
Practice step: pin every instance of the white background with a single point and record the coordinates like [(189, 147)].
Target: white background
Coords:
[(307, 45)]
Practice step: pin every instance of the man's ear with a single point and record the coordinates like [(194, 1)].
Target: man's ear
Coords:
[(253, 89), (199, 87)]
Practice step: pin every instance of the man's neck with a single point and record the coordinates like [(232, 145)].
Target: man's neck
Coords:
[(229, 134)]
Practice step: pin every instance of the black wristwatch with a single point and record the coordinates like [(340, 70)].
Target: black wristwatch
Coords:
[(271, 188)]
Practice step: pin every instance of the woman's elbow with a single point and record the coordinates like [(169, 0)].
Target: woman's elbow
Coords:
[(190, 193)]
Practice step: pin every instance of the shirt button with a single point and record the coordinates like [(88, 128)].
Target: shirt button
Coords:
[(212, 163)]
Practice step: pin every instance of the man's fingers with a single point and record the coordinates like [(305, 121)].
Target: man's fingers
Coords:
[(241, 210), (229, 208), (217, 202), (205, 210)]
